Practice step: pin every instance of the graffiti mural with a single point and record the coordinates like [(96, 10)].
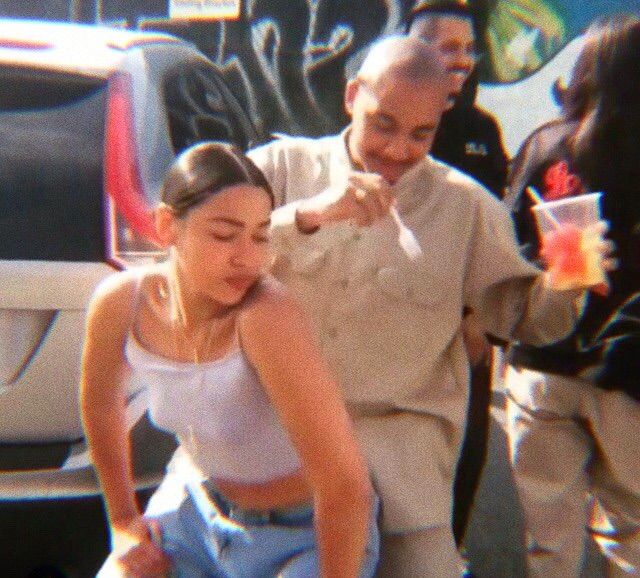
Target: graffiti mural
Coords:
[(287, 58)]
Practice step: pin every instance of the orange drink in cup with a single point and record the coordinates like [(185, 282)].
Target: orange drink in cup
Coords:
[(570, 240)]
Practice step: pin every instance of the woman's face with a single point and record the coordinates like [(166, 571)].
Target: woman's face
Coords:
[(222, 245)]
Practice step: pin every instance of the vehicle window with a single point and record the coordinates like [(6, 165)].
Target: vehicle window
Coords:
[(51, 150), (201, 106)]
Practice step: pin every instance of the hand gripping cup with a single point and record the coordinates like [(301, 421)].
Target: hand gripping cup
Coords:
[(570, 240)]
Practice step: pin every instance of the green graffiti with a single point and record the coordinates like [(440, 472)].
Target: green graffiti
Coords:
[(522, 35)]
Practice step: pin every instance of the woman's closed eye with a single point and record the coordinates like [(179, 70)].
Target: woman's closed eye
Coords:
[(229, 236), (225, 236)]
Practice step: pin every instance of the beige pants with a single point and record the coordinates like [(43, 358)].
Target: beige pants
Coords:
[(575, 453), (428, 553)]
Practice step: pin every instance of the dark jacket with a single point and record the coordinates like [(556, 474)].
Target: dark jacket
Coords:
[(606, 340), (469, 139)]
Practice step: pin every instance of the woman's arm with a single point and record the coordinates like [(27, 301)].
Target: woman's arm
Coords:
[(276, 336), (103, 392)]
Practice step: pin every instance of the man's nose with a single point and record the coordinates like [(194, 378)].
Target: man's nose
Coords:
[(466, 60), (460, 57), (462, 62), (398, 148)]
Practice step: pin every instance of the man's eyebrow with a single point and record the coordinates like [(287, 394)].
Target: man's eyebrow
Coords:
[(380, 114)]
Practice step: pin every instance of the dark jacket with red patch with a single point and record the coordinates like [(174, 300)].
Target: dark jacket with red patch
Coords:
[(606, 341)]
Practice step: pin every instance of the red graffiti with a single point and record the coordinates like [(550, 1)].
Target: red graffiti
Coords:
[(560, 183)]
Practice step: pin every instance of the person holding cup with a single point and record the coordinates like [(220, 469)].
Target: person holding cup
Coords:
[(570, 232), (390, 318), (573, 407)]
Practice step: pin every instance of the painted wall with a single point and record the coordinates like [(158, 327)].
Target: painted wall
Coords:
[(286, 59)]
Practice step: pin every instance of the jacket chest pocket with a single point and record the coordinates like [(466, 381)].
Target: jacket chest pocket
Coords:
[(421, 282)]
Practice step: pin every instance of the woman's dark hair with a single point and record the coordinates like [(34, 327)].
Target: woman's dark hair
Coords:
[(206, 168), (606, 68), (603, 99), (604, 96)]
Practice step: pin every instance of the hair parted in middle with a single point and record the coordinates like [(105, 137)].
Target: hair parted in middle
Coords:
[(203, 170)]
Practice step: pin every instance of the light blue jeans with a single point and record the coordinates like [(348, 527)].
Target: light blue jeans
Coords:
[(203, 543)]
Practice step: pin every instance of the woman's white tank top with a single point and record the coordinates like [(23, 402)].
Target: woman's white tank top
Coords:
[(219, 412)]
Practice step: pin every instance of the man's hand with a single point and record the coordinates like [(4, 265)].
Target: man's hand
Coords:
[(475, 340), (366, 199)]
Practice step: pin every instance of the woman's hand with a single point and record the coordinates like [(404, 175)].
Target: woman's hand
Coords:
[(136, 546), (578, 258)]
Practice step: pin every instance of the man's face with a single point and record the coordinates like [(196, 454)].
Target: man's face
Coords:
[(393, 122), (452, 36)]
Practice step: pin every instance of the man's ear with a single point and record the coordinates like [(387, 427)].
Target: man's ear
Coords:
[(350, 92), (165, 221)]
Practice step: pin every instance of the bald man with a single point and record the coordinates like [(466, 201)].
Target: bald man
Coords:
[(388, 313)]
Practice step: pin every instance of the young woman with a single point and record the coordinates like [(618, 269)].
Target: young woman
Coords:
[(275, 481), (573, 407)]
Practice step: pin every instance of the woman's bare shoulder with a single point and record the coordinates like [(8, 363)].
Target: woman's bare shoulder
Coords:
[(269, 293), (271, 308), (118, 293)]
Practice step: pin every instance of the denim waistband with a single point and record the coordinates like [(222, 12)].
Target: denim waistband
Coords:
[(291, 516)]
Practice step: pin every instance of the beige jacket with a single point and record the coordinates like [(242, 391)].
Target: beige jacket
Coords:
[(390, 327)]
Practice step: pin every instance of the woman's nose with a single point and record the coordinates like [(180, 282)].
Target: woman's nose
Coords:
[(248, 254)]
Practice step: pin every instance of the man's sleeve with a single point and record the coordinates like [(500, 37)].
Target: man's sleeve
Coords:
[(511, 296), (287, 166), (273, 161)]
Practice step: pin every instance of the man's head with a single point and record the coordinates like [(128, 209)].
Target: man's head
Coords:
[(447, 26), (395, 103)]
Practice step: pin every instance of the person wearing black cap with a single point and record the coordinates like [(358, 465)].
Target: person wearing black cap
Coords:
[(469, 139)]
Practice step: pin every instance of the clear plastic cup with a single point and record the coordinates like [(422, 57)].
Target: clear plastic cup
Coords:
[(570, 239)]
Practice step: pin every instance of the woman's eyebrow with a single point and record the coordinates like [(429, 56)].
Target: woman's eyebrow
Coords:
[(236, 222), (227, 221)]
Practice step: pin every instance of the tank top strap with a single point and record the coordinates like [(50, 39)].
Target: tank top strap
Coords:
[(139, 276)]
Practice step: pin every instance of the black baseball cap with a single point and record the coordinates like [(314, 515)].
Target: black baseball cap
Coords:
[(454, 7)]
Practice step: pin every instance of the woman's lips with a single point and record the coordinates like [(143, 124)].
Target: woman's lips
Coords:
[(241, 282)]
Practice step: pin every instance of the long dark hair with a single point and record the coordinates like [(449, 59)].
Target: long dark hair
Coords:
[(206, 168), (603, 98), (609, 53)]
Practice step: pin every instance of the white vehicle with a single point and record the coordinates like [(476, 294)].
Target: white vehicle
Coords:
[(90, 119)]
